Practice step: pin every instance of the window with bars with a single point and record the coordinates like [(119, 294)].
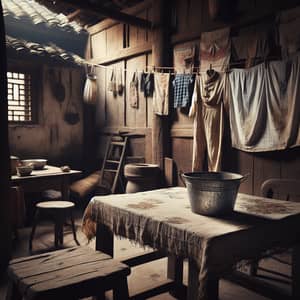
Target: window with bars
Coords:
[(20, 96)]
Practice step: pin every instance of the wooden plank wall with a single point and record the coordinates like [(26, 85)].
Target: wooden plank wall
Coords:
[(114, 113)]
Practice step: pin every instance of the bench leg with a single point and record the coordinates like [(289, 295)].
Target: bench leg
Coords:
[(296, 272), (100, 296), (13, 292), (120, 292)]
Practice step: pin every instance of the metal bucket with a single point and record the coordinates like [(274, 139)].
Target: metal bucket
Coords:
[(212, 193)]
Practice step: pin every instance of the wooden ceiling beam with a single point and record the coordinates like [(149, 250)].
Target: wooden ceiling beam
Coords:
[(72, 16), (98, 9)]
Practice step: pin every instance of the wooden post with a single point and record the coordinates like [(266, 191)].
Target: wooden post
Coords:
[(5, 211), (161, 51)]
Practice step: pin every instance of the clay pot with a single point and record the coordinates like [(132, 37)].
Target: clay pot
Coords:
[(141, 177)]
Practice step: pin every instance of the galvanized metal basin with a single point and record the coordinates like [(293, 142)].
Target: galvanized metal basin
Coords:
[(212, 193)]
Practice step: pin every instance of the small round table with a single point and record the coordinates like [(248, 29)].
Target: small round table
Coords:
[(59, 210)]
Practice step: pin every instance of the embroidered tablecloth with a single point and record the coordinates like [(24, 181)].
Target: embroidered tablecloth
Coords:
[(163, 219)]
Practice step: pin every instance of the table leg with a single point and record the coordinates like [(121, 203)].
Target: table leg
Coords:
[(175, 273), (65, 192), (210, 291), (296, 272), (105, 239)]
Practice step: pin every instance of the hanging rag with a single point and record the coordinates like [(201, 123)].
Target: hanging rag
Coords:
[(264, 107), (253, 44), (183, 85), (215, 49), (142, 81), (207, 110), (120, 85), (289, 36), (147, 84), (133, 91), (90, 90), (161, 94), (112, 84)]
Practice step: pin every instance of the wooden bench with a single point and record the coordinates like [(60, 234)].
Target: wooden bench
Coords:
[(67, 274)]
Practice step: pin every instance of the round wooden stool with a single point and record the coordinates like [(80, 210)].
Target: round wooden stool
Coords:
[(59, 210)]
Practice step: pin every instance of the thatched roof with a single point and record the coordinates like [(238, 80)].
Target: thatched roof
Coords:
[(30, 10), (34, 30), (46, 53)]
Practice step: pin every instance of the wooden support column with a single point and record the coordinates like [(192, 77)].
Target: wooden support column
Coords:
[(5, 211), (161, 56)]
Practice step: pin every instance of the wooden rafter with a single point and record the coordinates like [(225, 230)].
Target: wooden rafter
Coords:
[(72, 16), (98, 9)]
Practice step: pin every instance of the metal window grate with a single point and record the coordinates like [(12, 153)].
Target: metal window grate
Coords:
[(19, 97)]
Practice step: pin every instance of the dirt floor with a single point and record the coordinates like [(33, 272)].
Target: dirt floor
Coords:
[(140, 276)]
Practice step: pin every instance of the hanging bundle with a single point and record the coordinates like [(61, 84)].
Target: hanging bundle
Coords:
[(133, 91), (120, 86), (90, 88), (112, 84)]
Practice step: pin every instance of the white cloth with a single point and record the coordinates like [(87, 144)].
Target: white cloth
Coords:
[(163, 219), (161, 94), (265, 106), (207, 110)]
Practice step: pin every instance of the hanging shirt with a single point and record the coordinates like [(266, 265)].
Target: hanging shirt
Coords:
[(183, 89), (289, 37), (207, 110), (215, 49), (253, 44), (161, 94)]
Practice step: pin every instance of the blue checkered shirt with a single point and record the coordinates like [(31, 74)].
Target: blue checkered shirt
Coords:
[(183, 89)]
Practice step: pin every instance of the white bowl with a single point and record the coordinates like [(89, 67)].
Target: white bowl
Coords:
[(38, 164), (24, 170)]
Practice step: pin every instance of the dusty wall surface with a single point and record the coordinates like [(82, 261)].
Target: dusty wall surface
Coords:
[(107, 40), (53, 137)]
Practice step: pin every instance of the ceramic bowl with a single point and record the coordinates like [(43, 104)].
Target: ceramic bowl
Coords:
[(24, 170), (38, 164)]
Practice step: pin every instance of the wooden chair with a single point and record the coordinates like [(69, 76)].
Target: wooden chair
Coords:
[(283, 189), (67, 274)]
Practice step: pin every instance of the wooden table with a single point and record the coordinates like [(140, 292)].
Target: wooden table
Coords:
[(163, 220), (49, 178)]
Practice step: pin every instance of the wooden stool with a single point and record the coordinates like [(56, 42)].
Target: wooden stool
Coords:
[(59, 209), (67, 274)]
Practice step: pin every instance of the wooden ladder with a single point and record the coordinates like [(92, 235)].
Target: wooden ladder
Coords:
[(113, 161)]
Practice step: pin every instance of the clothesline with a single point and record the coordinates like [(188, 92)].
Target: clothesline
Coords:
[(151, 69)]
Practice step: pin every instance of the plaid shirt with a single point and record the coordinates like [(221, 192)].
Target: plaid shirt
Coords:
[(183, 89)]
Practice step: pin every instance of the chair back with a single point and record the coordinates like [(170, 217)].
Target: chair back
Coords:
[(283, 189)]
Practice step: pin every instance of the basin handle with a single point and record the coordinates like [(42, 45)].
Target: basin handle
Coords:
[(245, 177), (181, 178)]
